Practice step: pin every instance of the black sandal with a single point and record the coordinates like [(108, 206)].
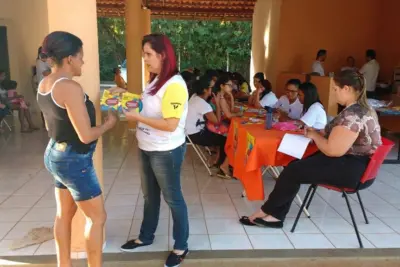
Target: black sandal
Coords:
[(223, 175), (263, 223), (246, 221)]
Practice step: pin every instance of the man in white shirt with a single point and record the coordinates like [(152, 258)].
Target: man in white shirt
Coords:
[(370, 70), (318, 65)]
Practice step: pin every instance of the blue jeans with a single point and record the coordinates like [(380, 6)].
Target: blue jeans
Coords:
[(72, 171), (160, 172)]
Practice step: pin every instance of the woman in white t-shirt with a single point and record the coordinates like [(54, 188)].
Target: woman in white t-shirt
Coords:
[(162, 145), (199, 112), (264, 97), (289, 106), (314, 115)]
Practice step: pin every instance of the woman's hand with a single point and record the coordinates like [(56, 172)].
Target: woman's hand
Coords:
[(110, 120), (132, 115), (310, 132)]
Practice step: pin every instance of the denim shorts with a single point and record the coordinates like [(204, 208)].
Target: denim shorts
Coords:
[(72, 171)]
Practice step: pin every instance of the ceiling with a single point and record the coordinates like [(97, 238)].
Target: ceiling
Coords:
[(229, 10)]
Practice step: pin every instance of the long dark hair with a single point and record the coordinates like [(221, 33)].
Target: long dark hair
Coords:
[(222, 80), (163, 46), (267, 86), (310, 95), (199, 86), (59, 45), (355, 80)]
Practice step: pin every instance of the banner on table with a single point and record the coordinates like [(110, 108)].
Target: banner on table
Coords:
[(250, 145)]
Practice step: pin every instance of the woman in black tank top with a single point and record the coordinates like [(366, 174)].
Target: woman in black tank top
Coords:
[(71, 123)]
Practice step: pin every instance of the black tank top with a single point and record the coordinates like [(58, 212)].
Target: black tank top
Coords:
[(59, 125)]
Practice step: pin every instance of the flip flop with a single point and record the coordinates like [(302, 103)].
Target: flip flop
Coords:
[(223, 175), (246, 221)]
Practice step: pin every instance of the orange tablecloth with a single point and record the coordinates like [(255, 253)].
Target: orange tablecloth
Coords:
[(249, 147)]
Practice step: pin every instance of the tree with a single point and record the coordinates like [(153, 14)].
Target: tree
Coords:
[(200, 44)]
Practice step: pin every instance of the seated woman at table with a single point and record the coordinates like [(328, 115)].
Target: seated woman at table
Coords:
[(258, 82), (289, 106), (198, 112), (241, 88), (264, 97), (313, 115), (223, 89), (344, 152)]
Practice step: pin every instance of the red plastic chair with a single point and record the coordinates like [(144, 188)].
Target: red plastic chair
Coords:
[(367, 179)]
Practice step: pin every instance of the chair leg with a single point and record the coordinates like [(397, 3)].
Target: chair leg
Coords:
[(353, 220), (302, 208), (362, 207), (312, 196)]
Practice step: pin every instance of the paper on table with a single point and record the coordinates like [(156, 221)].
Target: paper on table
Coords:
[(294, 145)]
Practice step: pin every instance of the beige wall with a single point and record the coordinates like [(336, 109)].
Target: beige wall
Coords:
[(26, 22), (266, 21)]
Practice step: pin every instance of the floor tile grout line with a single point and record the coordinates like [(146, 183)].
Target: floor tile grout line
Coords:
[(201, 201)]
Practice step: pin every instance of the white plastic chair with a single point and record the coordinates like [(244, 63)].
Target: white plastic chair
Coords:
[(199, 153)]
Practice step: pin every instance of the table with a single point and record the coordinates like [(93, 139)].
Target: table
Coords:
[(391, 123), (249, 147)]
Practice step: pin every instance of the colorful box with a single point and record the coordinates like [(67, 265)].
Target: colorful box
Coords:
[(110, 101), (131, 101)]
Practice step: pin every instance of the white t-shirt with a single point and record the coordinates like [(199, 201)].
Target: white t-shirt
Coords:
[(269, 100), (370, 70), (317, 67), (40, 68), (315, 117), (171, 101), (198, 107), (293, 110)]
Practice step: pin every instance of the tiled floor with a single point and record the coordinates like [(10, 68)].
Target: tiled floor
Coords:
[(27, 201)]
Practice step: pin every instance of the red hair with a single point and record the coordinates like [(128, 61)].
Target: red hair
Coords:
[(163, 46)]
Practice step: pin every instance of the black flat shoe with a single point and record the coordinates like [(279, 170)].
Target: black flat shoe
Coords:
[(175, 260), (131, 245), (245, 221), (263, 223)]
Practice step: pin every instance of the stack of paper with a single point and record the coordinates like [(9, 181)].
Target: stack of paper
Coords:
[(294, 145)]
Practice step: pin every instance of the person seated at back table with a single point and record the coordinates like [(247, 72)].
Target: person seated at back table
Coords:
[(241, 88), (198, 112), (264, 97), (344, 152), (289, 106), (16, 102), (313, 114)]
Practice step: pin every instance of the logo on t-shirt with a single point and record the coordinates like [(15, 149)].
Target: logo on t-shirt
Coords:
[(176, 105)]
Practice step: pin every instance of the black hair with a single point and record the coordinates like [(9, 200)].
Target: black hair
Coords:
[(221, 81), (371, 54), (260, 76), (9, 84), (310, 95), (59, 45), (115, 70), (321, 52), (267, 86), (212, 73), (202, 84), (295, 82)]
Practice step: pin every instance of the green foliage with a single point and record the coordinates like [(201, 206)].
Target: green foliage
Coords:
[(200, 44)]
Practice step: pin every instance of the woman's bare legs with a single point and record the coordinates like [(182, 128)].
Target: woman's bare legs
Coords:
[(95, 214), (66, 209)]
